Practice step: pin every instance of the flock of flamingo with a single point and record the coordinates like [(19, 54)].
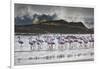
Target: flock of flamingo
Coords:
[(58, 42)]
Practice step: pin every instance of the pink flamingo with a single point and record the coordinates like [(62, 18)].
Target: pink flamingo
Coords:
[(61, 42), (50, 43)]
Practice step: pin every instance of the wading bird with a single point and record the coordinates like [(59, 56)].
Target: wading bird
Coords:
[(32, 43), (20, 41)]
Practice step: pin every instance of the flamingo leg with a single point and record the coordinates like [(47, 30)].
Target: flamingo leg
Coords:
[(21, 46), (31, 47)]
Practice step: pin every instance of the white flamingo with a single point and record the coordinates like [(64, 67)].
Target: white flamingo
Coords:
[(20, 42), (85, 43), (31, 42), (39, 43), (50, 43), (61, 43)]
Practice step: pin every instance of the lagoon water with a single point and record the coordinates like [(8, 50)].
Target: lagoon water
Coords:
[(50, 50)]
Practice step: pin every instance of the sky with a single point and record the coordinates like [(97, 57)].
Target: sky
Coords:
[(76, 14)]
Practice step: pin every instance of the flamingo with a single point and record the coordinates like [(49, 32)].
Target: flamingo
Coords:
[(91, 41), (76, 41), (20, 42), (85, 43), (50, 43), (67, 42), (39, 43), (70, 42), (31, 42), (80, 42), (61, 43)]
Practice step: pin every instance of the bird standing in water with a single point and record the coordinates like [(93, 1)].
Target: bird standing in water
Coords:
[(20, 41)]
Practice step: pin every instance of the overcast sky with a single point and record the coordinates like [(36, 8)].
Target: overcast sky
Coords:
[(66, 13)]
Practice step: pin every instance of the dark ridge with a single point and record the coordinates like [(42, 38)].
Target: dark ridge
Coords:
[(77, 24), (56, 21), (54, 26)]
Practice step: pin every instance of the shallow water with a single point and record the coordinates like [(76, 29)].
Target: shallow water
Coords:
[(56, 53)]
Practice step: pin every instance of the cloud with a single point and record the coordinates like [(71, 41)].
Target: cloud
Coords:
[(45, 12), (36, 18)]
